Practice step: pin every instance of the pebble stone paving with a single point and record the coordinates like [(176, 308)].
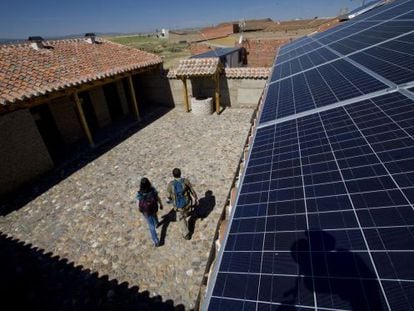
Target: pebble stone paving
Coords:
[(91, 218)]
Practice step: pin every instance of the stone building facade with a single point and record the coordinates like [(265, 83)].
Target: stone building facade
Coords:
[(58, 93)]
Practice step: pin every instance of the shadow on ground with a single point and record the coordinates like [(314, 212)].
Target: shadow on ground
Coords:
[(202, 210), (77, 157), (34, 280), (199, 212)]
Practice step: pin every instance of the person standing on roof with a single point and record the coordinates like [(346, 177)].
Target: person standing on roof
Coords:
[(181, 192)]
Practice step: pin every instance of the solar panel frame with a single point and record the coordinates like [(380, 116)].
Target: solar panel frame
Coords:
[(362, 32), (394, 60), (287, 223), (343, 171), (371, 36), (322, 85)]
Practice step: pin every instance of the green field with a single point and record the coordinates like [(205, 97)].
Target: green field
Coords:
[(171, 53)]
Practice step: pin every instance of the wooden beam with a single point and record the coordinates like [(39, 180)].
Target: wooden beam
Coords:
[(83, 119), (68, 91), (187, 106), (217, 78), (134, 99)]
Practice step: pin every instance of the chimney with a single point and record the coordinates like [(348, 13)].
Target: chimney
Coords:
[(36, 42), (90, 37)]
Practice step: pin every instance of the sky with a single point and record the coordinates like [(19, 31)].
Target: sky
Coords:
[(49, 18)]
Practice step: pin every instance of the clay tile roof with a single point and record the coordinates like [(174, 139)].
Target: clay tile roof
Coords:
[(26, 72), (172, 73), (198, 67), (247, 72)]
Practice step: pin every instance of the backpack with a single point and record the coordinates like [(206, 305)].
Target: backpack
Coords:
[(148, 204), (180, 197)]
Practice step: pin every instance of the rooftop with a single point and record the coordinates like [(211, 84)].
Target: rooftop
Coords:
[(26, 72), (200, 67), (247, 72), (235, 73)]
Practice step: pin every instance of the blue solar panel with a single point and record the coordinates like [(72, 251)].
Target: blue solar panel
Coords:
[(324, 85), (374, 35), (317, 41), (398, 10), (294, 44), (345, 39), (348, 40), (306, 61), (394, 60), (325, 219), (365, 8), (302, 49), (231, 305), (340, 33)]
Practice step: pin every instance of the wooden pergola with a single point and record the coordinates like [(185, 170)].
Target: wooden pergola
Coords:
[(200, 68), (81, 113), (72, 92)]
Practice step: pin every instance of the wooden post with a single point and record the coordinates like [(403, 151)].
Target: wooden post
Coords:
[(134, 99), (187, 106), (83, 119), (217, 92)]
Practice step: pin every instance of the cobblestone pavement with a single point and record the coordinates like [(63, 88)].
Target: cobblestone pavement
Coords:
[(91, 219)]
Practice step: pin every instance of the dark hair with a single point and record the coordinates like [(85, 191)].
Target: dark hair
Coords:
[(176, 173), (145, 185)]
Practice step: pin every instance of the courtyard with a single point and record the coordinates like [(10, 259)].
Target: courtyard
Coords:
[(91, 222)]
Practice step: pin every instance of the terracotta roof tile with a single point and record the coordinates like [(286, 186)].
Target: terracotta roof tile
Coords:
[(172, 74), (248, 72), (26, 72), (218, 31), (231, 73), (197, 67)]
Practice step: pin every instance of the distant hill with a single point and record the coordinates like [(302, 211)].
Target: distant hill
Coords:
[(8, 41)]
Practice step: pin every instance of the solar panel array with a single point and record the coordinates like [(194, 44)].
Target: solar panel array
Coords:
[(324, 216), (364, 8)]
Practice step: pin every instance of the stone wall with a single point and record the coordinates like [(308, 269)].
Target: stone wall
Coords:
[(99, 105), (245, 93), (23, 154), (153, 88), (235, 93), (262, 52), (177, 91), (66, 119)]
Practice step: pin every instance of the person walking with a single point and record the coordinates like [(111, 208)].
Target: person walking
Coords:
[(181, 193), (148, 202)]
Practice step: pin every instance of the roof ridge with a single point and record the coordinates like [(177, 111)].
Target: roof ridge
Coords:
[(51, 42)]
